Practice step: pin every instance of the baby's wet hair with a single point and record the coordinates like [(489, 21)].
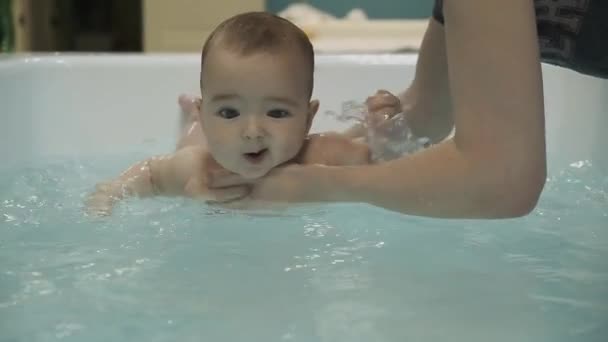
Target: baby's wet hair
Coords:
[(254, 32)]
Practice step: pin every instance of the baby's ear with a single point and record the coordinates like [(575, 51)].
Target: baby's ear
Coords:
[(199, 108), (313, 107)]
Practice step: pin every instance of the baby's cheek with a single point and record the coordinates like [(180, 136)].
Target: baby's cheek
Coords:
[(291, 147), (221, 154)]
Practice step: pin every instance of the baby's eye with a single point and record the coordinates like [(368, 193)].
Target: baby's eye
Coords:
[(228, 113), (278, 113)]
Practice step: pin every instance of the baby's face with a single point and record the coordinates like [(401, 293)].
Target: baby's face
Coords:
[(255, 110)]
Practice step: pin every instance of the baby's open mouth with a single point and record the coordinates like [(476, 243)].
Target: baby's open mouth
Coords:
[(256, 157)]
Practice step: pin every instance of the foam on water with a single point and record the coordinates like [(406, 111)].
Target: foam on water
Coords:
[(172, 269)]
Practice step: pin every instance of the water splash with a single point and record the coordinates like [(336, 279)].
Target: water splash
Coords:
[(388, 137)]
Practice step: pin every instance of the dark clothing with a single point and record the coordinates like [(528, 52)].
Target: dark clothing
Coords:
[(571, 33)]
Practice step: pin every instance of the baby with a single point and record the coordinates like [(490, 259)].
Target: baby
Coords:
[(254, 114)]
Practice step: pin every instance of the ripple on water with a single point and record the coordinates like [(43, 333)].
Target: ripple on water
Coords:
[(173, 269)]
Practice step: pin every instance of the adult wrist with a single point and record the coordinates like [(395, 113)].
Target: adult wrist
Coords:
[(338, 183), (427, 112)]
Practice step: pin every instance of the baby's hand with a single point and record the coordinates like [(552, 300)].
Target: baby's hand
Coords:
[(101, 202), (189, 104)]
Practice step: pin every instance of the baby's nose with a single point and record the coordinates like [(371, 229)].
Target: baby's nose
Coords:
[(253, 130)]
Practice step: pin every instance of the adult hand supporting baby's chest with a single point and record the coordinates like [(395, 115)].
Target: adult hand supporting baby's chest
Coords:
[(186, 173), (289, 184)]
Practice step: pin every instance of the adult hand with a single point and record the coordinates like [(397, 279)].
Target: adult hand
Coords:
[(385, 116), (383, 104), (198, 183), (427, 114), (423, 114), (289, 184)]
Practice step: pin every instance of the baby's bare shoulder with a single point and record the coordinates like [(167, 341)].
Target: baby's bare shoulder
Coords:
[(190, 154), (171, 172), (334, 149)]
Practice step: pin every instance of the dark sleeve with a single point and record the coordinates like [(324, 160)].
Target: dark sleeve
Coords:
[(438, 11)]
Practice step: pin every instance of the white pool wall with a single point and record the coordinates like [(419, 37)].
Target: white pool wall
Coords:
[(69, 105)]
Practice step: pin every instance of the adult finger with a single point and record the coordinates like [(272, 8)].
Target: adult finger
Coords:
[(225, 178), (237, 204), (375, 103), (232, 193), (380, 103)]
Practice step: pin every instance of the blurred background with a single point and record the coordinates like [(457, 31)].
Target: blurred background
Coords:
[(182, 25)]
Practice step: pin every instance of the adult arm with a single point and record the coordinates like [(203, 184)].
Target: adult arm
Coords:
[(495, 164)]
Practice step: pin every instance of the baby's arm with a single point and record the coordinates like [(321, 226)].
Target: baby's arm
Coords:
[(183, 173), (135, 181), (162, 175)]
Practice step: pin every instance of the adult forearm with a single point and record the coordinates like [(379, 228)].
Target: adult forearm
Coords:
[(443, 181)]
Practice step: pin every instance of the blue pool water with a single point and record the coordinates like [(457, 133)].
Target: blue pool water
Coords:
[(175, 270)]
